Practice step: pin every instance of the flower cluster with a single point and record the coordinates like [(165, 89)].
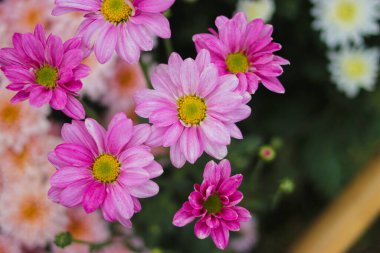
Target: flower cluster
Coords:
[(344, 24), (193, 108)]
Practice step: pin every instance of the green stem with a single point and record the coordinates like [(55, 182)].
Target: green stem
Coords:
[(168, 47), (145, 70)]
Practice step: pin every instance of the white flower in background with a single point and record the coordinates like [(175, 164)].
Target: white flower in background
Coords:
[(352, 69), (8, 245), (345, 21), (19, 122), (28, 215), (263, 9)]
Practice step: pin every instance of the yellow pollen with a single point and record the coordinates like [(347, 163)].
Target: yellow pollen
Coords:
[(10, 114), (31, 210), (191, 109), (116, 11), (237, 63), (47, 76), (106, 168), (355, 68), (346, 12)]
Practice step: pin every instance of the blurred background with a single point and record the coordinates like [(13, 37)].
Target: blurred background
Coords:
[(300, 150)]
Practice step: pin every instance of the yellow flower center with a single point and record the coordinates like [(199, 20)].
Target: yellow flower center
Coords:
[(355, 67), (191, 109), (47, 76), (10, 114), (106, 168), (237, 63), (213, 204), (116, 11), (346, 12), (31, 210)]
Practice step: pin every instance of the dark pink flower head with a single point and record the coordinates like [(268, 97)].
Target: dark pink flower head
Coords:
[(127, 26), (107, 169), (214, 202), (244, 49), (192, 109), (45, 71)]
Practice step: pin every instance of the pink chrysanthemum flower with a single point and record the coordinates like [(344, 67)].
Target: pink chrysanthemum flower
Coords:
[(45, 71), (127, 26), (214, 201), (192, 108), (244, 49), (107, 169)]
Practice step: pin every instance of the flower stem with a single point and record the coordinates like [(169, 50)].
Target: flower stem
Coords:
[(168, 47), (144, 68)]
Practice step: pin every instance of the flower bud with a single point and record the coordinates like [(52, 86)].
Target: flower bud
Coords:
[(63, 239), (287, 185), (267, 153)]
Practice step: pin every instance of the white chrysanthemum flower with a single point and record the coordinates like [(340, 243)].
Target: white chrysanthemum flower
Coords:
[(29, 216), (86, 227), (8, 245), (345, 21), (352, 69), (263, 9), (31, 161), (19, 122)]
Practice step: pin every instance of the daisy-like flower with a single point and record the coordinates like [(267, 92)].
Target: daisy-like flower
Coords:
[(29, 216), (344, 21), (18, 123), (30, 161), (215, 203), (353, 69), (87, 227), (263, 9), (45, 71), (9, 245), (192, 109), (245, 50), (107, 169), (126, 26), (125, 80)]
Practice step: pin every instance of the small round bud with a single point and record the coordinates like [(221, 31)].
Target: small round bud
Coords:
[(157, 250), (287, 185), (63, 239), (267, 153)]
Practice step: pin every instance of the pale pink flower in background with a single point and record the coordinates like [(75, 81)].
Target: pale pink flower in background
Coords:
[(31, 161), (107, 169), (95, 85), (87, 227), (245, 50), (125, 80), (117, 247), (23, 15), (9, 245), (19, 122), (29, 216), (248, 237), (192, 109), (124, 26), (45, 71), (215, 203)]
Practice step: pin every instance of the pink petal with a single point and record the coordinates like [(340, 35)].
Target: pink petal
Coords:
[(182, 218), (201, 230), (155, 22), (126, 48), (141, 134), (59, 99), (54, 50), (74, 109), (133, 177), (172, 134), (97, 132), (220, 236), (66, 176), (94, 196), (122, 201), (229, 186), (39, 96), (78, 134), (208, 80), (106, 43), (273, 84), (225, 169), (228, 214), (190, 144), (196, 200), (212, 173), (136, 157), (72, 195), (176, 156), (74, 154), (215, 131), (189, 76), (119, 133), (203, 60), (244, 214), (154, 169), (155, 6), (145, 190)]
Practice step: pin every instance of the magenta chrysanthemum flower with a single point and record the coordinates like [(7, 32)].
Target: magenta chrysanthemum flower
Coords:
[(245, 50), (214, 201), (107, 169), (192, 108), (128, 26), (45, 71)]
